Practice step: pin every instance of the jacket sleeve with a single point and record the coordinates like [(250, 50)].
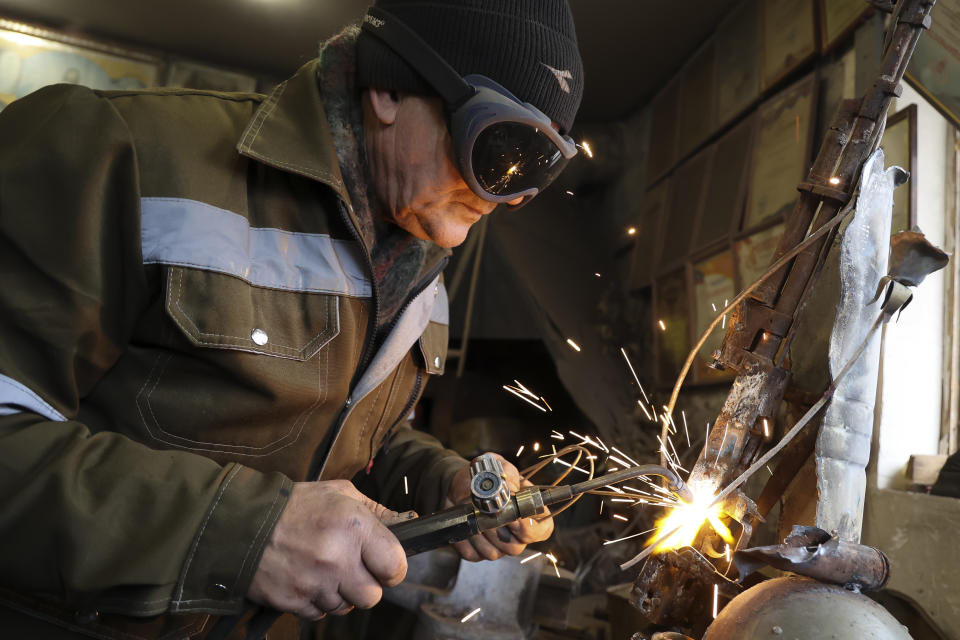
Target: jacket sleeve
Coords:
[(96, 519), (420, 458)]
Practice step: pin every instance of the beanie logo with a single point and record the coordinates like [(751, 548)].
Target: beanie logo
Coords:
[(562, 75), (373, 21)]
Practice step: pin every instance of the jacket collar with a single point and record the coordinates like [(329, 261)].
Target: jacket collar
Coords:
[(289, 131)]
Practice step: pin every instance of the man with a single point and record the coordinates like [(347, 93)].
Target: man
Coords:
[(219, 308)]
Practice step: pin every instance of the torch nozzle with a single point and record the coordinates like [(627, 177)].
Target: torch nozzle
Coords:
[(674, 482)]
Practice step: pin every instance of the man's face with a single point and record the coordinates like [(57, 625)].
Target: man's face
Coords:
[(414, 171)]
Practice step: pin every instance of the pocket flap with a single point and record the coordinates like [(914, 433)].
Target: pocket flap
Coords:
[(218, 310)]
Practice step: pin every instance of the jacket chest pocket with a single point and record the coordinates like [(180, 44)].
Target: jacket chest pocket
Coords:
[(250, 372), (216, 310)]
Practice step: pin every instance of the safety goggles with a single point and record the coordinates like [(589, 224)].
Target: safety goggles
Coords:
[(505, 149)]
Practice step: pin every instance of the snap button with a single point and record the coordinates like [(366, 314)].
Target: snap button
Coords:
[(436, 361), (259, 336), (436, 290), (217, 590)]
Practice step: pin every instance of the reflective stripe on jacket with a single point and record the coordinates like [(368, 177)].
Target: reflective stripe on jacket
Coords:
[(184, 313)]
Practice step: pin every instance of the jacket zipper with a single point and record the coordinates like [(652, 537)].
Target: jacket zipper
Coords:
[(323, 451), (411, 401)]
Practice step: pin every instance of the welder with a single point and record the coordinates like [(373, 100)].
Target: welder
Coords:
[(218, 309)]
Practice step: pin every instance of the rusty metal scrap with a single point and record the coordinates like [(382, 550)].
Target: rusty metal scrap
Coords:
[(762, 327), (814, 553)]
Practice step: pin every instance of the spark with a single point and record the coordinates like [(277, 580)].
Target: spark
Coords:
[(635, 463), (573, 344), (553, 559), (647, 413), (406, 488), (544, 401), (766, 428), (685, 429), (523, 397), (531, 557), (586, 147), (628, 537), (631, 231), (470, 615), (569, 193), (619, 461), (603, 445), (597, 274), (768, 469), (556, 435), (834, 180), (726, 552), (636, 379), (520, 450), (716, 595), (591, 457), (663, 327), (512, 170), (722, 442), (601, 507), (615, 489), (567, 464), (723, 322), (621, 500), (714, 307), (620, 517), (536, 447)]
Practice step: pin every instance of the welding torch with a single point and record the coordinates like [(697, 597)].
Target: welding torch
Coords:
[(493, 506)]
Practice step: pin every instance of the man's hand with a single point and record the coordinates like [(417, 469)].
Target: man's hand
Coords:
[(329, 552), (510, 539)]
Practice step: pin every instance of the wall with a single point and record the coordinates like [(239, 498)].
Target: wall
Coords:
[(912, 368)]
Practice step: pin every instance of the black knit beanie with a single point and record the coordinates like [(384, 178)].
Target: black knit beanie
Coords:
[(528, 46)]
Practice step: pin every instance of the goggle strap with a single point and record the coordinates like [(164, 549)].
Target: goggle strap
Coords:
[(418, 54)]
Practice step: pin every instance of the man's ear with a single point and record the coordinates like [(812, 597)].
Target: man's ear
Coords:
[(385, 105)]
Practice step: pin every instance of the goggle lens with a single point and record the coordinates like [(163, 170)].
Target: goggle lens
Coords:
[(510, 158)]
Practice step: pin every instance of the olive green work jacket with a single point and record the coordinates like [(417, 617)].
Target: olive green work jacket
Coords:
[(186, 313)]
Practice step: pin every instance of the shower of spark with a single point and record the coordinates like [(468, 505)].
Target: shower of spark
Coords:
[(687, 518)]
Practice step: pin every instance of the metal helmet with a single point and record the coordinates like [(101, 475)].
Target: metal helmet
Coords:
[(797, 608)]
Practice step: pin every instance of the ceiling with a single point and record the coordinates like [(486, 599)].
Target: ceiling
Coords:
[(630, 47)]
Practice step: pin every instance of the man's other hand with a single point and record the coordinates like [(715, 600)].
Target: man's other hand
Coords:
[(510, 539), (329, 552)]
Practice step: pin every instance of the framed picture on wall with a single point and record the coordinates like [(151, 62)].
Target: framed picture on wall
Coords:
[(713, 287), (787, 38), (737, 84), (935, 66), (200, 76), (838, 20), (32, 58), (685, 202), (754, 254), (663, 131), (647, 236), (899, 146), (671, 324), (781, 152), (697, 100)]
